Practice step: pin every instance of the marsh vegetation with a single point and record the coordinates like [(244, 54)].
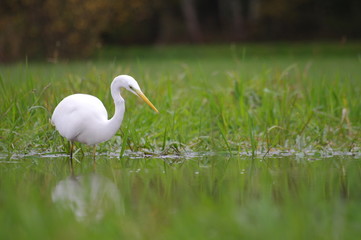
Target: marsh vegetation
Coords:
[(254, 141)]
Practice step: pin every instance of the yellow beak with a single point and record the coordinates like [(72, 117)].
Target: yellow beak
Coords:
[(145, 99)]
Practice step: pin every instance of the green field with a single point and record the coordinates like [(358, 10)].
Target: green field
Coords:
[(252, 141)]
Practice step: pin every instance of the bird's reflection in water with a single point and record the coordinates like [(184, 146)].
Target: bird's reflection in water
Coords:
[(89, 197)]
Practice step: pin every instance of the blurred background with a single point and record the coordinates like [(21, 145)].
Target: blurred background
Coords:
[(64, 29)]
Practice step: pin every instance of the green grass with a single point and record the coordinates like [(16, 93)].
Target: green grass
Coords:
[(245, 145), (272, 98)]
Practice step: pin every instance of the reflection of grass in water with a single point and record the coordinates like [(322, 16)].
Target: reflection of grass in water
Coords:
[(205, 197)]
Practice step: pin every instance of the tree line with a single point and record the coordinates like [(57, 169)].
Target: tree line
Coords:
[(75, 28)]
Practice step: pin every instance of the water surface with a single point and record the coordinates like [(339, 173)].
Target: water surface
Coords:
[(199, 196)]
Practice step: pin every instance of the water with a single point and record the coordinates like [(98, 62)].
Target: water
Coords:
[(187, 196), (88, 196)]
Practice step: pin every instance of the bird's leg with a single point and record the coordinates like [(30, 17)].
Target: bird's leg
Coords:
[(71, 150), (94, 153), (71, 167), (71, 154)]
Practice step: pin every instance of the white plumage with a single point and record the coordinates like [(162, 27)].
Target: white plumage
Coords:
[(83, 118)]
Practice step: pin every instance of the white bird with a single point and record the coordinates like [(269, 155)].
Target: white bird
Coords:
[(83, 118)]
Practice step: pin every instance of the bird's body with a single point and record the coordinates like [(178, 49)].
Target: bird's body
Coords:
[(86, 119), (83, 118)]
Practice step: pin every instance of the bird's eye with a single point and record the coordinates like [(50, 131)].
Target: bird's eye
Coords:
[(130, 87)]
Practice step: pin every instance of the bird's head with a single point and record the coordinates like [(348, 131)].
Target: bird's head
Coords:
[(130, 84)]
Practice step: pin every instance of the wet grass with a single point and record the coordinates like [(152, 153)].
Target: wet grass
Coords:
[(253, 141)]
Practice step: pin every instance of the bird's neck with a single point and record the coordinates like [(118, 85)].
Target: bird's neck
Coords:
[(114, 123)]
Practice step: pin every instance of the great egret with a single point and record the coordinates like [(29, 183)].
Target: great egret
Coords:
[(83, 118)]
